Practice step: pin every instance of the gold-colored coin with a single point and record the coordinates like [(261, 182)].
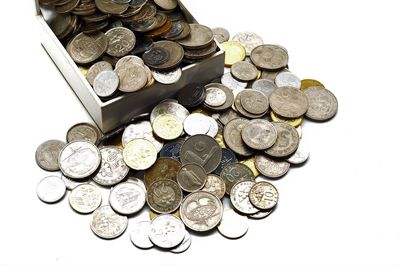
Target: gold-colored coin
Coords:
[(307, 83), (250, 162), (220, 140), (294, 122), (234, 52), (83, 70), (140, 154), (259, 73), (167, 127), (153, 214), (159, 31)]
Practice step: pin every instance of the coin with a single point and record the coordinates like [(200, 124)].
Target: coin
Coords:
[(153, 214), (301, 155), (263, 195), (87, 48), (163, 168), (287, 79), (73, 183), (250, 162), (261, 214), (196, 123), (200, 36), (307, 83), (79, 159), (140, 235), (202, 53), (51, 189), (230, 82), (141, 129), (85, 198), (106, 83), (239, 196), (228, 95), (227, 157), (156, 56), (137, 3), (215, 96), (215, 185), (244, 71), (140, 154), (113, 168), (128, 60), (202, 150), (288, 102), (191, 177), (127, 198), (234, 52), (228, 115), (233, 225), (249, 40), (166, 4), (269, 57), (286, 143), (164, 196), (296, 122), (107, 224), (83, 132), (168, 77), (191, 95), (221, 34), (171, 150), (97, 68), (254, 101), (176, 29), (167, 231), (142, 45), (271, 168), (169, 107), (259, 134), (233, 138), (109, 7), (132, 77), (323, 104), (47, 154), (167, 127), (235, 172), (201, 211), (175, 52), (182, 247)]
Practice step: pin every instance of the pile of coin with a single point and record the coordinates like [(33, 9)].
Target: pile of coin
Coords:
[(224, 138)]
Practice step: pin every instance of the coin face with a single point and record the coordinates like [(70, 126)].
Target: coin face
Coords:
[(228, 81), (169, 107), (47, 154), (51, 189), (191, 177), (164, 196), (233, 137), (227, 157), (259, 134), (287, 141), (175, 52), (271, 168), (132, 77), (265, 86), (171, 150), (199, 37), (287, 79), (182, 247), (215, 96), (113, 168), (196, 123), (307, 83), (163, 168), (254, 101), (79, 159), (86, 48), (156, 56), (167, 231), (240, 197), (244, 71), (264, 195), (120, 41), (233, 225), (301, 155), (269, 57), (249, 40), (139, 154), (235, 172), (221, 34), (202, 150), (141, 129), (212, 102), (85, 198), (128, 60), (201, 211), (168, 77), (106, 83), (234, 52), (323, 104), (97, 68), (140, 235), (83, 132), (288, 102), (215, 185), (127, 198), (108, 224), (167, 127)]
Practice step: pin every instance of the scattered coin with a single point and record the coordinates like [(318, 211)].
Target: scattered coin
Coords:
[(167, 127), (259, 134), (200, 36), (191, 177), (249, 40), (239, 196), (127, 198), (196, 123), (221, 34), (47, 154), (215, 185), (141, 129), (234, 52), (140, 154), (107, 224), (233, 225), (106, 83), (271, 168), (167, 231), (87, 48), (307, 83), (51, 189), (215, 96), (233, 138), (254, 102), (269, 57), (228, 80), (169, 107), (182, 247), (97, 68), (301, 155), (140, 235), (244, 71), (265, 86), (286, 143), (287, 79), (288, 102), (85, 198), (164, 196), (263, 195), (235, 172), (323, 104), (83, 132), (113, 168), (211, 103)]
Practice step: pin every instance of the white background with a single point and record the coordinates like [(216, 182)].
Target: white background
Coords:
[(341, 207)]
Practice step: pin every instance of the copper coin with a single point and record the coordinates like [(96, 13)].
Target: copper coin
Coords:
[(164, 196), (163, 168)]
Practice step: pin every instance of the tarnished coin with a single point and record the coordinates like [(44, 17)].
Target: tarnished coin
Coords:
[(132, 77), (171, 150), (168, 107), (87, 48), (259, 134), (106, 83), (228, 115), (215, 96), (271, 168), (175, 30), (196, 123), (51, 189), (234, 52), (127, 198), (113, 168), (175, 52), (168, 77), (120, 41), (244, 71), (307, 83), (215, 185), (228, 96), (83, 132), (233, 225), (107, 224), (166, 4), (235, 172), (254, 101), (156, 56), (286, 143), (239, 196), (263, 195), (221, 34), (164, 196), (301, 155), (323, 104), (140, 154), (227, 157), (191, 177), (295, 122), (202, 150), (265, 86), (182, 247), (97, 68), (233, 137), (249, 40), (287, 79), (73, 183), (141, 129), (47, 154), (167, 231), (167, 127), (192, 95), (230, 82), (269, 57), (164, 168), (201, 53), (140, 235), (288, 102), (128, 60), (85, 198), (79, 159), (109, 7), (200, 36), (201, 211)]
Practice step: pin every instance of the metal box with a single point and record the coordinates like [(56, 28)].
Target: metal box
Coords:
[(117, 111)]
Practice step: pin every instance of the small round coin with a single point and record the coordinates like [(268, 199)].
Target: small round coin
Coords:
[(215, 185), (108, 224), (120, 41), (271, 168), (235, 172), (323, 104), (286, 143), (221, 34), (47, 154), (263, 195), (113, 168), (106, 83), (51, 189), (164, 196), (83, 132), (215, 96), (259, 134), (140, 235), (167, 127), (182, 247), (269, 57), (287, 79), (244, 71), (167, 231), (140, 154), (288, 102), (233, 225), (233, 138), (156, 56), (97, 68), (234, 52), (196, 123), (85, 198), (127, 198), (239, 196), (191, 177)]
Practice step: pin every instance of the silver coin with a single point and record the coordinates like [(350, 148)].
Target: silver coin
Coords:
[(221, 34), (83, 132), (323, 104), (191, 177), (261, 214), (137, 181), (249, 40), (196, 123), (121, 41), (113, 168), (259, 134), (167, 231), (169, 107), (271, 168), (215, 185), (79, 160), (213, 131), (269, 57), (244, 71), (263, 195), (47, 154), (288, 102), (169, 77), (97, 68), (106, 83), (215, 97), (73, 183), (230, 82), (301, 155), (51, 189), (239, 196), (233, 225), (287, 79), (182, 247), (140, 235), (127, 198), (166, 4), (132, 77), (265, 86), (201, 211), (227, 116), (141, 129), (108, 224), (286, 143), (129, 60), (85, 198)]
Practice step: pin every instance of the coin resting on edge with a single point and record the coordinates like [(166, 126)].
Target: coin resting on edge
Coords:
[(106, 83), (140, 154), (127, 198), (47, 154), (191, 177), (164, 196), (107, 224), (85, 198), (51, 189)]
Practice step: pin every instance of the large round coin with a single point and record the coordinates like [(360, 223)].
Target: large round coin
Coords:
[(79, 159), (132, 77), (287, 141), (323, 104), (167, 231), (140, 154), (140, 235), (83, 132), (233, 225), (164, 196), (51, 189), (269, 57), (127, 198), (288, 102), (235, 172), (263, 195), (259, 134), (107, 224), (113, 168), (202, 150), (201, 211), (191, 177), (244, 71), (85, 198), (87, 48), (233, 137), (164, 168), (47, 154), (240, 197), (200, 36)]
